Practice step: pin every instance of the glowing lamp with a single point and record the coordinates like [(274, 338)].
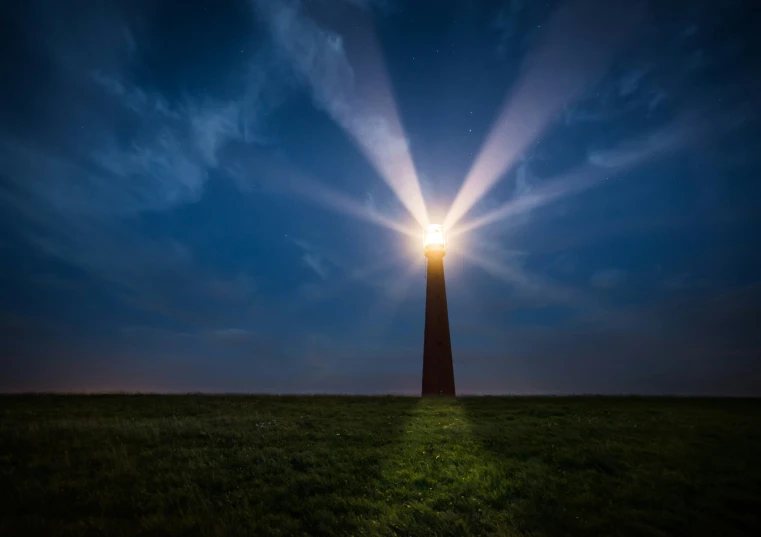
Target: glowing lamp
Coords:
[(434, 239)]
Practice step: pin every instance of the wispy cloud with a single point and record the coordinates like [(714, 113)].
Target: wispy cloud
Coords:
[(315, 263), (318, 57), (312, 259), (112, 147), (100, 150)]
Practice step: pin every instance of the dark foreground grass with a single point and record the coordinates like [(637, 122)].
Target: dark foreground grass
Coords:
[(237, 465)]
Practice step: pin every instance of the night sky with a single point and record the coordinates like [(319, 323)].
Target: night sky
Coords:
[(219, 196)]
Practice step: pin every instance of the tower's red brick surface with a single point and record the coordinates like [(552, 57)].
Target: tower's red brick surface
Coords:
[(438, 370)]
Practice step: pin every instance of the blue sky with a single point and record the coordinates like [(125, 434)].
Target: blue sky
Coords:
[(196, 196)]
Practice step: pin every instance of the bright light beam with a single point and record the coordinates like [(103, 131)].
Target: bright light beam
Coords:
[(337, 201), (577, 44), (502, 271), (604, 165), (390, 157), (515, 277), (345, 69), (374, 123), (286, 178), (573, 182)]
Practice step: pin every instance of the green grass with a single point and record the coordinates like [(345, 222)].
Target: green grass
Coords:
[(260, 465)]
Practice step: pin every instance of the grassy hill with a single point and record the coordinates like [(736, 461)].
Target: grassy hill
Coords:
[(265, 465)]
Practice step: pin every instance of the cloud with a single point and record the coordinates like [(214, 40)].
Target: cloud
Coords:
[(509, 20), (136, 99), (316, 264), (362, 105), (312, 259), (156, 170), (97, 144), (317, 55), (213, 125), (96, 150), (92, 156), (630, 81), (690, 127), (522, 182), (370, 203)]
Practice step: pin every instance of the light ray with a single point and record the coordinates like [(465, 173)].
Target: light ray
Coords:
[(514, 276), (578, 43), (540, 292), (379, 320), (337, 201), (286, 178), (568, 184), (345, 69), (325, 292), (374, 122), (603, 166)]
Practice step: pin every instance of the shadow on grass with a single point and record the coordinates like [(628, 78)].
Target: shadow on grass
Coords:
[(131, 465), (620, 466), (195, 464)]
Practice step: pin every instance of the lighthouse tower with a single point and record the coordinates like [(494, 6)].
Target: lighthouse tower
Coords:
[(438, 371)]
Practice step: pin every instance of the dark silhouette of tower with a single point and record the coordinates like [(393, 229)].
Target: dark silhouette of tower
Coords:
[(438, 370)]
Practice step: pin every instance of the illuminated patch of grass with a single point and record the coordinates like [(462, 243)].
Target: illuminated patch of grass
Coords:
[(132, 465)]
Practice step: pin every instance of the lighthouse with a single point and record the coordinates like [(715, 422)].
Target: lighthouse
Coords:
[(438, 370)]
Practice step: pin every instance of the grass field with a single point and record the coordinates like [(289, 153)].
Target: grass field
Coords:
[(264, 465)]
